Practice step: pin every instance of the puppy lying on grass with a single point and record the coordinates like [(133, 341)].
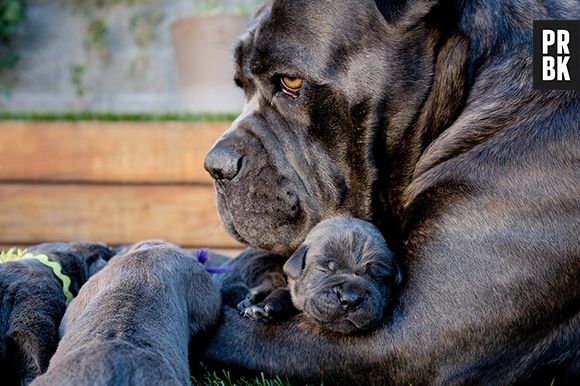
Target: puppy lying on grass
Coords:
[(34, 291), (133, 322), (341, 277)]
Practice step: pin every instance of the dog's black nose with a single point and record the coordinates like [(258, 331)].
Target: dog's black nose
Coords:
[(349, 298), (223, 163)]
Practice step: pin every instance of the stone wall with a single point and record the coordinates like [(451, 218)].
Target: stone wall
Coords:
[(136, 71)]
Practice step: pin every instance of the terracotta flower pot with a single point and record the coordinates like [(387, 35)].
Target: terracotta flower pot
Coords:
[(203, 51)]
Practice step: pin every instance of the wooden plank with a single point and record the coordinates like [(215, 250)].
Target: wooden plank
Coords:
[(128, 152), (122, 214)]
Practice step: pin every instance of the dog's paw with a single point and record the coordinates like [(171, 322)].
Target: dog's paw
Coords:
[(254, 296), (264, 312), (251, 308), (256, 312), (276, 306), (244, 304)]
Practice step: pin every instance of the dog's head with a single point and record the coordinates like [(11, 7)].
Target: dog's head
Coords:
[(93, 256), (322, 80), (342, 276), (79, 260)]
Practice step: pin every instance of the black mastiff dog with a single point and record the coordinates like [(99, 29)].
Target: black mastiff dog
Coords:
[(419, 116)]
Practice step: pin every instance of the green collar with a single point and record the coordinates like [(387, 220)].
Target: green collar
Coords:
[(11, 255)]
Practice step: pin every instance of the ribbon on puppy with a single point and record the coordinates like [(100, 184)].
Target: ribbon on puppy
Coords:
[(12, 255), (202, 255)]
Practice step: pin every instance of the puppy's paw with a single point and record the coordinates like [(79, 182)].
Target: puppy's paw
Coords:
[(256, 312), (260, 311), (244, 304), (276, 306), (264, 312)]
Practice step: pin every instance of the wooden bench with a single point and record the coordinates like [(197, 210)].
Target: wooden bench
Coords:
[(115, 182)]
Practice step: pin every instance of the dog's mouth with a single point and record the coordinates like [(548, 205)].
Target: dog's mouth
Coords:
[(263, 211), (225, 214), (331, 316)]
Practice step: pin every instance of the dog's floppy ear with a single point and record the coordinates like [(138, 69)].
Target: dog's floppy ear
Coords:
[(295, 263), (94, 255), (95, 264)]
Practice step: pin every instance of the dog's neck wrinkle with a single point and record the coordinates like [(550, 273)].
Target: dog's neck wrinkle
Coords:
[(487, 34), (391, 9), (464, 51), (489, 23), (441, 105)]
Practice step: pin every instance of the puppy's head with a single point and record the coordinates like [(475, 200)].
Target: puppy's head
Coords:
[(341, 277), (79, 260), (93, 256)]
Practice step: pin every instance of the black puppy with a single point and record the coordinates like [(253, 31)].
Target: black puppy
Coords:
[(133, 322), (33, 300), (341, 277)]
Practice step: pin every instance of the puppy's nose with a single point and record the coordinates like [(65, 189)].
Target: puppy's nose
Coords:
[(223, 163), (349, 298)]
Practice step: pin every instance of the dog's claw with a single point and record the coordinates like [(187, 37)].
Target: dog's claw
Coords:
[(256, 312)]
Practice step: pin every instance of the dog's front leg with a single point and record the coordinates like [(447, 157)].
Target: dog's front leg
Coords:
[(257, 285)]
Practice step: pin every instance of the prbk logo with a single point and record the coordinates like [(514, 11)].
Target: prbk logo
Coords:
[(557, 54)]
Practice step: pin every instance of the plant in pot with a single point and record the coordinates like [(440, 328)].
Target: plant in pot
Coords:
[(203, 52), (11, 14)]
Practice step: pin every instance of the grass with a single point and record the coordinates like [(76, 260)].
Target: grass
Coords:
[(116, 117), (212, 378)]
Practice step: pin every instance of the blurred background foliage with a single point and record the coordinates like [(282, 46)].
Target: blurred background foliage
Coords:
[(100, 55), (11, 13)]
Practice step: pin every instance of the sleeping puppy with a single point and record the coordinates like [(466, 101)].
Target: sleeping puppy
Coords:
[(341, 278), (33, 301), (133, 322)]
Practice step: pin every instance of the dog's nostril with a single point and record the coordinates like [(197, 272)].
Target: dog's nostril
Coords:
[(349, 299), (222, 163)]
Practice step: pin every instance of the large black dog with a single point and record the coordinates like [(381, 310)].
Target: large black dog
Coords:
[(419, 116)]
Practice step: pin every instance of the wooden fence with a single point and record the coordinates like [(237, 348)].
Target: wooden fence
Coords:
[(116, 182)]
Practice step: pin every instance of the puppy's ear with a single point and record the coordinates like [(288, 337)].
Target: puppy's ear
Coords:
[(95, 266), (295, 264)]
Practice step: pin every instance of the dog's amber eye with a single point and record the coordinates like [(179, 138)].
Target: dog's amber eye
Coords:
[(292, 84)]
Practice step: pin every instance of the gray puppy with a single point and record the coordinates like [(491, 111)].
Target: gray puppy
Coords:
[(33, 302), (133, 322), (341, 277)]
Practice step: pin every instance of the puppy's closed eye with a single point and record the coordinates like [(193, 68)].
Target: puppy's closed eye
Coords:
[(331, 265)]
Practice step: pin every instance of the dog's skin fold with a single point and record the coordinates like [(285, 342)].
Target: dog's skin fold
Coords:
[(418, 116)]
